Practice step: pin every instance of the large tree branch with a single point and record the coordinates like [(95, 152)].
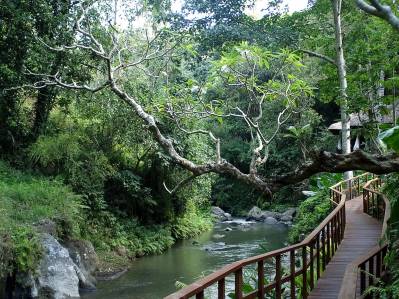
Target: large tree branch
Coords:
[(322, 162), (377, 9), (331, 162), (318, 55)]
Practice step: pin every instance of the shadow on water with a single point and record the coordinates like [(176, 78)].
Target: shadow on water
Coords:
[(154, 277)]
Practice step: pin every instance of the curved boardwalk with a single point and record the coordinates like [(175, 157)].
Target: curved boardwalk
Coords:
[(362, 233)]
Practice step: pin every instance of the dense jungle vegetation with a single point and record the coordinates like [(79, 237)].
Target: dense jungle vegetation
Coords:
[(123, 122)]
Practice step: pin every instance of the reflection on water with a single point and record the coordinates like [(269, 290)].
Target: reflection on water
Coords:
[(154, 277)]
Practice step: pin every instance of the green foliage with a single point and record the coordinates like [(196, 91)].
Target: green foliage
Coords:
[(390, 288), (390, 138), (25, 200), (312, 212), (192, 223)]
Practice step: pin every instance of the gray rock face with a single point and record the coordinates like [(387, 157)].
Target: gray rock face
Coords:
[(85, 258), (290, 212), (61, 273), (57, 274), (255, 214), (271, 220), (267, 214), (220, 215), (286, 218), (258, 215)]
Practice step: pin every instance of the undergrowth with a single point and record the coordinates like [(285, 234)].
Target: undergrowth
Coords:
[(25, 199)]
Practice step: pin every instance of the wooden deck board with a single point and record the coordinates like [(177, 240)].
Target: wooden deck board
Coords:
[(362, 233)]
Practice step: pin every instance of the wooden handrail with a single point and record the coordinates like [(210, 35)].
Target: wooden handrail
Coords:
[(350, 284), (314, 253)]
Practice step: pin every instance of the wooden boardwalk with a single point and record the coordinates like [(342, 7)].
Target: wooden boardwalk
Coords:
[(362, 233)]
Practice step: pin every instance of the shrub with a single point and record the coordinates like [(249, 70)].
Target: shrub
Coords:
[(25, 199), (312, 211)]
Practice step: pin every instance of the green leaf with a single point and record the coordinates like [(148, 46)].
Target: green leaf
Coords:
[(391, 138)]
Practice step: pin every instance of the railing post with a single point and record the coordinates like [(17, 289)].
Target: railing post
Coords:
[(278, 277), (328, 242), (222, 289), (311, 265), (292, 276), (323, 248), (238, 284), (261, 280), (318, 256), (371, 271), (362, 278), (304, 273), (350, 189)]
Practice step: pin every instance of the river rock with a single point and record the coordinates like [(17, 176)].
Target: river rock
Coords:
[(219, 214), (271, 220), (228, 229), (290, 212), (255, 214), (286, 218), (267, 214), (57, 276)]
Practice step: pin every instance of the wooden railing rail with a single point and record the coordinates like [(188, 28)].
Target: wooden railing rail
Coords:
[(367, 269), (307, 259)]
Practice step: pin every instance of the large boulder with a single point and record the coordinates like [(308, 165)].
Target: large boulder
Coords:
[(255, 214), (57, 274), (286, 218), (61, 272), (290, 212), (219, 214), (85, 258), (267, 214)]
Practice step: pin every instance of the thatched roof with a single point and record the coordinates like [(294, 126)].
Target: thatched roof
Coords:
[(359, 119)]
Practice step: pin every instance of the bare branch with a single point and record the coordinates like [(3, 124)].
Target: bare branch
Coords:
[(377, 9), (179, 185), (318, 55)]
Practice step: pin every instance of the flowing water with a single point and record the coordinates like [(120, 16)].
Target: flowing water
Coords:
[(154, 277)]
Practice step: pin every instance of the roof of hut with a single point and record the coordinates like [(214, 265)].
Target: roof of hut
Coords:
[(359, 119)]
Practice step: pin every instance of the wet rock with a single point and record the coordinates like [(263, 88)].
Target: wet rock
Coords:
[(271, 220), (255, 214), (228, 229), (290, 212), (286, 218), (267, 214), (258, 215), (219, 214)]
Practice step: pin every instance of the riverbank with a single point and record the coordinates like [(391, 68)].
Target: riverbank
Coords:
[(153, 277), (41, 216)]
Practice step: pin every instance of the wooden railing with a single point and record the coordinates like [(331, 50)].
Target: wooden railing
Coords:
[(293, 269), (367, 269)]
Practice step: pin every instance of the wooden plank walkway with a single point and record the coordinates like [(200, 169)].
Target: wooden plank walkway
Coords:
[(362, 233)]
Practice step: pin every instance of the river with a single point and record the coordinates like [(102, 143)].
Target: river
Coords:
[(154, 277)]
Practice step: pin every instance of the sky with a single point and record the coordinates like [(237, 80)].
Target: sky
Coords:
[(255, 12), (293, 5)]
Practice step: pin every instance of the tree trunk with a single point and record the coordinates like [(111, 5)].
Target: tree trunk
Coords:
[(343, 84), (43, 106)]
